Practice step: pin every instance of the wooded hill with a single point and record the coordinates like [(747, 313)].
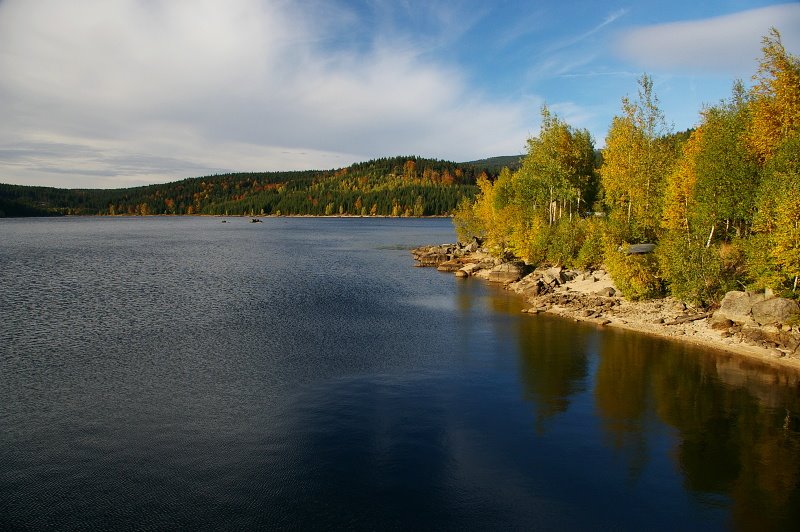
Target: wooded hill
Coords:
[(397, 186)]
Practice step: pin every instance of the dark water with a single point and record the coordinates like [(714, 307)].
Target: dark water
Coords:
[(166, 373)]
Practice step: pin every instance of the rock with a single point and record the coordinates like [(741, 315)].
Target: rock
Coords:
[(468, 270), (570, 275), (606, 292), (738, 306), (507, 272), (554, 274), (461, 273), (777, 310), (605, 322), (450, 265), (719, 322)]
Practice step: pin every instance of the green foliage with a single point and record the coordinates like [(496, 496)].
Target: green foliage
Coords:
[(693, 273), (774, 256), (637, 276), (565, 241), (591, 253), (467, 224), (639, 155), (727, 174)]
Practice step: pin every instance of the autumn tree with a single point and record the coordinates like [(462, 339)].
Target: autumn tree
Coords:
[(774, 137), (776, 97), (558, 169), (636, 161)]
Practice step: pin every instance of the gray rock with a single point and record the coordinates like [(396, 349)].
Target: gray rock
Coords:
[(507, 272), (470, 269), (738, 306), (606, 292), (777, 310), (450, 266), (556, 273)]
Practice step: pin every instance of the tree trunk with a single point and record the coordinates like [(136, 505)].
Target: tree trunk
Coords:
[(710, 236)]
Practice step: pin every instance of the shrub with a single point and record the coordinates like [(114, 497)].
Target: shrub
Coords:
[(467, 224), (590, 254), (636, 275), (694, 273), (566, 238)]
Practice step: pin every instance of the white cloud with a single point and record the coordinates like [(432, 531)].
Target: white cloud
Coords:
[(728, 44), (97, 93)]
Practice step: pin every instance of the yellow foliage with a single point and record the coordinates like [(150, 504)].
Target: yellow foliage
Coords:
[(680, 186), (775, 107), (786, 236)]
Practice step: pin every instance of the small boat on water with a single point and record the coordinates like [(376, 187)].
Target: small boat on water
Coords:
[(255, 221)]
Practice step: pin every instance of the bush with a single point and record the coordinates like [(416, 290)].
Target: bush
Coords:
[(694, 273), (636, 275), (530, 239), (566, 238), (590, 254), (467, 224)]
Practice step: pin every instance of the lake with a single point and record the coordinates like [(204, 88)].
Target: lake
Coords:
[(162, 373)]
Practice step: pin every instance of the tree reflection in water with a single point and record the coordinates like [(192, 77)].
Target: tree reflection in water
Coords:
[(737, 422)]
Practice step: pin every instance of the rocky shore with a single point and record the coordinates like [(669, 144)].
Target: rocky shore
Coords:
[(757, 325)]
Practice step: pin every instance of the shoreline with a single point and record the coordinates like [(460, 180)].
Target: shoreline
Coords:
[(591, 297)]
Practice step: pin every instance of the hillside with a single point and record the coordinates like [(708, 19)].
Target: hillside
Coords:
[(397, 186)]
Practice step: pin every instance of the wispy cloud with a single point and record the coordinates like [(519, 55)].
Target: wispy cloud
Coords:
[(572, 41), (727, 44)]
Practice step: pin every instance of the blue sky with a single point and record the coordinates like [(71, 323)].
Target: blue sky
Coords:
[(97, 93)]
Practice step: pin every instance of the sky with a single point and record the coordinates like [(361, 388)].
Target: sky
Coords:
[(116, 93)]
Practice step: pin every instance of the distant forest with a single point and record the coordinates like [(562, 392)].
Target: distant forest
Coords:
[(397, 186)]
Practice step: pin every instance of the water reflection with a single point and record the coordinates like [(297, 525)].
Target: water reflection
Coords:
[(736, 422), (553, 365)]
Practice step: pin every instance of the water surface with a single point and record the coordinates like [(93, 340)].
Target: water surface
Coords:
[(300, 373)]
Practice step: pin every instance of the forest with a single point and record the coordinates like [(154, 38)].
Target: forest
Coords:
[(721, 202), (397, 186)]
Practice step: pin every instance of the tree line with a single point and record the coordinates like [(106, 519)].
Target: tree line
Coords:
[(392, 186), (721, 201)]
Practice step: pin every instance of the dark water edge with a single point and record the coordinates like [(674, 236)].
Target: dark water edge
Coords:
[(301, 374)]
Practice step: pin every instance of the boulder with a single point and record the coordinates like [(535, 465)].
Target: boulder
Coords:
[(469, 269), (777, 310), (557, 273), (450, 266), (508, 272), (738, 306), (606, 292)]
